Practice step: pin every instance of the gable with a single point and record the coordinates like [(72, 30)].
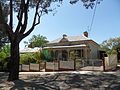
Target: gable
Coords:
[(63, 40)]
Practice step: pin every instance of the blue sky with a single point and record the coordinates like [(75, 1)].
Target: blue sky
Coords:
[(73, 20)]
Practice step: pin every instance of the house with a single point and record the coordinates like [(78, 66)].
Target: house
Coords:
[(74, 47)]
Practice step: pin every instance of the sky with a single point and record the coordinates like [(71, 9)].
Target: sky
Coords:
[(73, 20)]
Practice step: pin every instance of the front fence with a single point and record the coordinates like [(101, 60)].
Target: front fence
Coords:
[(60, 66), (108, 63), (32, 67), (89, 64)]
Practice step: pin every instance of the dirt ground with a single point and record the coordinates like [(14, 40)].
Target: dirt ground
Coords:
[(63, 81)]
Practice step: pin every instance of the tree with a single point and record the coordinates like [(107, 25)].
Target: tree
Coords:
[(37, 41), (3, 36), (22, 8), (112, 45)]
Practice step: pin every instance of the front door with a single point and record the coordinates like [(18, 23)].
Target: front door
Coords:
[(64, 55)]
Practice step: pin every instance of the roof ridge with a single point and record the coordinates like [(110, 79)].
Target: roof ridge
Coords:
[(72, 38)]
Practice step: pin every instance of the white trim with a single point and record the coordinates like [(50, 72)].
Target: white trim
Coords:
[(55, 47)]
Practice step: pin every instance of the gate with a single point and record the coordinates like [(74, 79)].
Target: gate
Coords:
[(89, 64)]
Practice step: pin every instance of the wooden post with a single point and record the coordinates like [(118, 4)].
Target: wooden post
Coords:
[(29, 66), (74, 64), (39, 67), (45, 66), (58, 65), (103, 62)]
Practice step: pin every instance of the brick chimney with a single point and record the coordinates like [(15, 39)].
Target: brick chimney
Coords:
[(85, 34), (64, 35)]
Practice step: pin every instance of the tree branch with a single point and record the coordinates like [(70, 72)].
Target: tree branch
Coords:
[(20, 16), (25, 18), (11, 15), (34, 21)]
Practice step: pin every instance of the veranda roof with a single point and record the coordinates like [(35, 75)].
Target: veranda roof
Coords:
[(58, 47), (30, 50)]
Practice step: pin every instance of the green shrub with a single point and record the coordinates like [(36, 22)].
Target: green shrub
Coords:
[(2, 55), (27, 58), (110, 52), (37, 57), (4, 64), (113, 52), (48, 56)]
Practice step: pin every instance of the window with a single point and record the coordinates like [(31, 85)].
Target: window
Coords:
[(80, 53)]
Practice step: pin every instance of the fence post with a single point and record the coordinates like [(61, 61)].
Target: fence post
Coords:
[(29, 66), (92, 64), (74, 64), (58, 65), (45, 66), (103, 62), (39, 66), (21, 67)]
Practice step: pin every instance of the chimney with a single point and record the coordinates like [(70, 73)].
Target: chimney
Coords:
[(64, 35), (85, 34)]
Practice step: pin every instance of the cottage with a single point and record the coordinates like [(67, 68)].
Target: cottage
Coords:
[(74, 47)]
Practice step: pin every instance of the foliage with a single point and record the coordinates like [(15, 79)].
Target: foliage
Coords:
[(111, 46), (4, 57), (27, 58), (86, 3), (3, 61), (48, 56), (37, 41), (5, 52), (6, 49), (38, 56)]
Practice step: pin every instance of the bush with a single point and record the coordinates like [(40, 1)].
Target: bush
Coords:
[(38, 57), (27, 58), (110, 52), (2, 55), (114, 52), (4, 64)]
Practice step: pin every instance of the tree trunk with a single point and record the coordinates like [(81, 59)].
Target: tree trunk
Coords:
[(14, 61)]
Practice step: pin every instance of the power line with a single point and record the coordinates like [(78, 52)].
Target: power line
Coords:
[(91, 24)]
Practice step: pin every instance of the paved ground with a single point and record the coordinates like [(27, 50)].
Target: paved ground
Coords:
[(76, 80)]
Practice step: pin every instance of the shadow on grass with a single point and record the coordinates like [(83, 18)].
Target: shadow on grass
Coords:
[(3, 76), (67, 81)]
